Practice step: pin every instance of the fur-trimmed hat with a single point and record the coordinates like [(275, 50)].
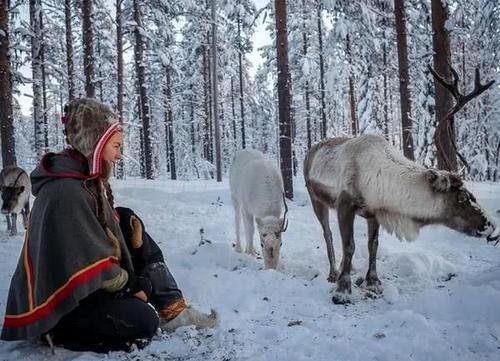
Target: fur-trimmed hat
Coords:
[(89, 125)]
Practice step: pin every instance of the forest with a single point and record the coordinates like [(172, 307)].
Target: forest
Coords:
[(179, 75)]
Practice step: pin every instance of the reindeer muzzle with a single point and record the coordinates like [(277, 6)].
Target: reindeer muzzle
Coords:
[(494, 236)]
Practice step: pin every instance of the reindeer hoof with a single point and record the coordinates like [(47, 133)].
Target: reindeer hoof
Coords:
[(375, 289), (237, 248), (341, 298), (373, 286), (332, 277)]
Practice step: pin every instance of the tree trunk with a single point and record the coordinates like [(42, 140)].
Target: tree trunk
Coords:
[(352, 97), (88, 52), (169, 125), (206, 101), (240, 71), (386, 100), (215, 91), (99, 72), (36, 70), (443, 99), (191, 121), (321, 73), (119, 76), (285, 124), (233, 109), (404, 79), (6, 116), (306, 90), (141, 86), (69, 50), (44, 86)]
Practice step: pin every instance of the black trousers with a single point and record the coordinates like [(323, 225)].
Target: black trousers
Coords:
[(103, 323)]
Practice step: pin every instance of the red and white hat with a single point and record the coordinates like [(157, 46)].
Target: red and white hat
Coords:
[(89, 125)]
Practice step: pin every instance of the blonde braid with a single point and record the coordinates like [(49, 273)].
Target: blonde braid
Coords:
[(100, 187)]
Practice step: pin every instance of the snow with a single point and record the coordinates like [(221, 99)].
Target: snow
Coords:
[(440, 299)]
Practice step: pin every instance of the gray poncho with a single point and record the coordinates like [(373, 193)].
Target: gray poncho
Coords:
[(67, 254)]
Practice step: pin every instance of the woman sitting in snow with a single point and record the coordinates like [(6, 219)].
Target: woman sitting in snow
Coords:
[(88, 275)]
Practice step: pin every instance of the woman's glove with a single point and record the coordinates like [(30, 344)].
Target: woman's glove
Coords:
[(134, 285)]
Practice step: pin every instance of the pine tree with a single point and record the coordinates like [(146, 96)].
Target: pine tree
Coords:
[(6, 115), (285, 120)]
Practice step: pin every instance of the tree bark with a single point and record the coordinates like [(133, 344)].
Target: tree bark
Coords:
[(119, 76), (321, 73), (215, 91), (36, 71), (352, 97), (169, 125), (240, 71), (306, 86), (6, 115), (233, 111), (88, 52), (141, 87), (386, 100), (207, 94), (404, 80), (69, 50), (285, 123), (443, 99)]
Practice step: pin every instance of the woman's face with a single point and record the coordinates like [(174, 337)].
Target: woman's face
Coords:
[(113, 149)]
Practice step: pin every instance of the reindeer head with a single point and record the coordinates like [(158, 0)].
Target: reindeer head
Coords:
[(10, 197), (461, 211), (270, 230)]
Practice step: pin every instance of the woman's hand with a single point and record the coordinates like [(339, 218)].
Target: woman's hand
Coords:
[(141, 295)]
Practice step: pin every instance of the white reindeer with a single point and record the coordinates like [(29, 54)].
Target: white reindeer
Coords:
[(257, 193), (366, 176)]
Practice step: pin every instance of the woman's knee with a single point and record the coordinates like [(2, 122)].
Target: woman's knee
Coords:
[(146, 319)]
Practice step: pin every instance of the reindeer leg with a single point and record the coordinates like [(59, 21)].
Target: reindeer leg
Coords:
[(322, 213), (373, 284), (237, 222), (346, 211), (13, 229), (9, 223), (248, 221), (26, 212)]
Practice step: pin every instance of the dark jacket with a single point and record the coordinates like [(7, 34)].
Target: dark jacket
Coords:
[(67, 254)]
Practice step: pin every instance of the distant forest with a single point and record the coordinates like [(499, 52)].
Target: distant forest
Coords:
[(179, 77)]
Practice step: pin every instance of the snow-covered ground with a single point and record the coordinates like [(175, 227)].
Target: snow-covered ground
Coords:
[(440, 300)]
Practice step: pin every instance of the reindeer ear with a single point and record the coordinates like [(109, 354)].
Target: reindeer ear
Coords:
[(431, 175), (439, 182), (456, 181)]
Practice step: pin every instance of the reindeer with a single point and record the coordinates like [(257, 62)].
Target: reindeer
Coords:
[(257, 193), (15, 186), (366, 176)]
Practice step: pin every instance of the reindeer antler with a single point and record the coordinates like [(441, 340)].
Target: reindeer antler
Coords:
[(285, 221), (461, 100)]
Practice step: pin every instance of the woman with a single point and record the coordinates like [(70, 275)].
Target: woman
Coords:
[(82, 280)]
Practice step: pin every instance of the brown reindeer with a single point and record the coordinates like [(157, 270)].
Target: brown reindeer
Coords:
[(15, 186), (366, 176)]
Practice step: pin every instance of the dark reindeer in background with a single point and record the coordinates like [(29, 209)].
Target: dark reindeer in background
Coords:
[(15, 186)]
